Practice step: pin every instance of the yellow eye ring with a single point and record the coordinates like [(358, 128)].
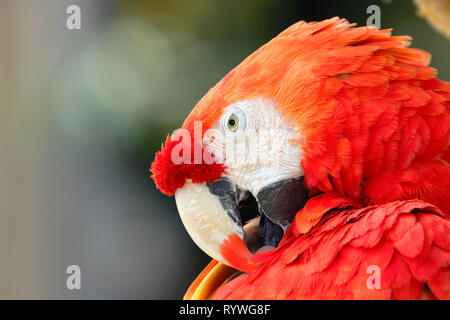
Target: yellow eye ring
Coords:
[(233, 123)]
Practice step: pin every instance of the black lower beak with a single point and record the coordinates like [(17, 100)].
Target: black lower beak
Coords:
[(278, 204), (229, 196)]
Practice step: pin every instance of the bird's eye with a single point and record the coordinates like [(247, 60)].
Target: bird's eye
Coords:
[(233, 122)]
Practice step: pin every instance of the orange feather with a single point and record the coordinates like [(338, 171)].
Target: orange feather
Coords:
[(374, 119), (375, 128), (331, 260)]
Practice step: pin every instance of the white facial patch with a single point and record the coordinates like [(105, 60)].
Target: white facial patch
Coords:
[(256, 145)]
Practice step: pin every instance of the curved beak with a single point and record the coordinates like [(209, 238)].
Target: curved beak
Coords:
[(210, 214)]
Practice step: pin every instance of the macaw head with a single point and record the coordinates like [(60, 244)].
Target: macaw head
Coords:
[(302, 115)]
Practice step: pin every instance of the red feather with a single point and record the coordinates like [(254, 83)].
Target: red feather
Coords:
[(169, 176), (375, 126), (332, 263)]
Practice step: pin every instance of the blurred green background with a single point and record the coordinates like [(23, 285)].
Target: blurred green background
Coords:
[(82, 113)]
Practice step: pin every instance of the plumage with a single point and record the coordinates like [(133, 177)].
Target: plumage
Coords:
[(331, 262), (375, 128)]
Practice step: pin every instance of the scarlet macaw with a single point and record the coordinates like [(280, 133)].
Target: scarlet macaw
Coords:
[(361, 179)]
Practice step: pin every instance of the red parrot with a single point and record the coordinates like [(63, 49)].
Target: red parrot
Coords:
[(341, 135)]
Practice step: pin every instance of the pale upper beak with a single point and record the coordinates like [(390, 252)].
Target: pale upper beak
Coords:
[(210, 214)]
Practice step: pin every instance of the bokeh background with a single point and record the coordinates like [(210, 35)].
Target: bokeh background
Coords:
[(82, 113)]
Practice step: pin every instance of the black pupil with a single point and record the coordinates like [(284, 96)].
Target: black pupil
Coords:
[(231, 122)]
